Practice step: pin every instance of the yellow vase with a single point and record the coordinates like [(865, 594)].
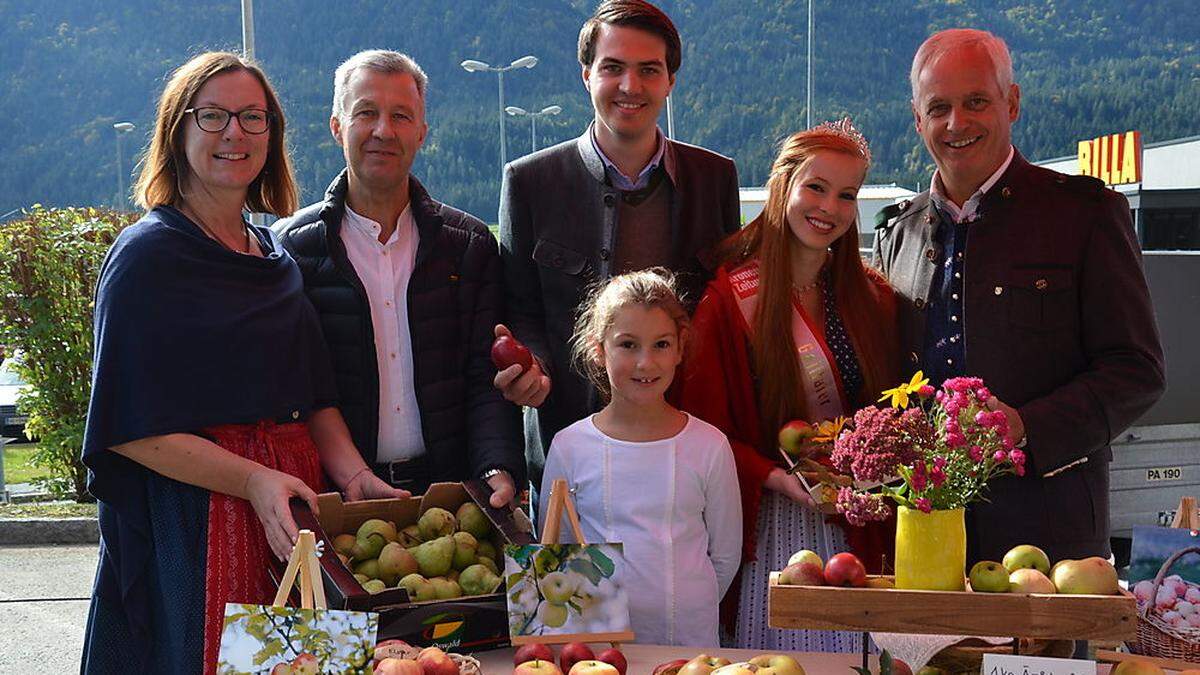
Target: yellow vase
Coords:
[(931, 549)]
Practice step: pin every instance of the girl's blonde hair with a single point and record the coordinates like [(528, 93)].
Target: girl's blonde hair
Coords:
[(648, 288)]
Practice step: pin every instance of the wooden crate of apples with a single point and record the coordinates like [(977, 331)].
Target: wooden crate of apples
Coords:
[(1022, 596)]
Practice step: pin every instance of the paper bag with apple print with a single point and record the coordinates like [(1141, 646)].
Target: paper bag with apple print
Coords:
[(565, 593)]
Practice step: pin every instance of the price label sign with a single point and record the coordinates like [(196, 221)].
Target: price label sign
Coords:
[(1015, 664)]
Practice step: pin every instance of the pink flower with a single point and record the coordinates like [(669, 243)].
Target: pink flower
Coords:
[(1000, 456), (939, 396), (937, 476), (925, 391), (939, 462), (1019, 469), (881, 441), (956, 440), (983, 394), (984, 418), (861, 507), (1016, 457), (924, 504), (976, 454)]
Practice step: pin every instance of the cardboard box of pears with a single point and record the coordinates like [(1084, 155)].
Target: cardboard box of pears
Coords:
[(430, 565)]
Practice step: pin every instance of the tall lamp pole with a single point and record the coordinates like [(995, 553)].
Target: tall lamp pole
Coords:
[(122, 201), (533, 118), (473, 66)]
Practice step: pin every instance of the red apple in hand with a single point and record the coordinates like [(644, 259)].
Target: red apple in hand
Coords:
[(845, 569), (506, 351), (613, 656), (573, 652), (793, 434), (533, 652)]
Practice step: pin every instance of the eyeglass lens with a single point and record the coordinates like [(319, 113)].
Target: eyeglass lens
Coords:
[(213, 120)]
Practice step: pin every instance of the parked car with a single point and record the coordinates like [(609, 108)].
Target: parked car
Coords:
[(12, 421)]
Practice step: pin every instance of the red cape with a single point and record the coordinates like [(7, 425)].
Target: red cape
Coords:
[(716, 385)]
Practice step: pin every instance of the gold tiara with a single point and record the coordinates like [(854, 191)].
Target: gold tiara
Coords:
[(845, 129)]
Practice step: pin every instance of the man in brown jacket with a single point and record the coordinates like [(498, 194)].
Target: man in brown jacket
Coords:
[(1031, 280)]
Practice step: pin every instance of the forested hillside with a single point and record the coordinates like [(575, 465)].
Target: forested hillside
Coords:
[(70, 69)]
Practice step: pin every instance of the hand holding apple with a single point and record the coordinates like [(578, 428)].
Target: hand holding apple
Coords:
[(524, 385), (793, 435)]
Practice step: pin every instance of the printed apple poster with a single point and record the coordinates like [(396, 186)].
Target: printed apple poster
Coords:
[(565, 589), (263, 639)]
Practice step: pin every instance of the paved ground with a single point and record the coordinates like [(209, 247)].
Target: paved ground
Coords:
[(37, 633)]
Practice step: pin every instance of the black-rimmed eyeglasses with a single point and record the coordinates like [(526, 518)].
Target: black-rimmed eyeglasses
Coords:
[(214, 120)]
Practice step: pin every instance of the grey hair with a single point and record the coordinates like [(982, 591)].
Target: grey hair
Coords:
[(380, 61), (943, 42)]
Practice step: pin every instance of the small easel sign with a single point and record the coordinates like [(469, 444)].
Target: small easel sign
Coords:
[(311, 638), (559, 593)]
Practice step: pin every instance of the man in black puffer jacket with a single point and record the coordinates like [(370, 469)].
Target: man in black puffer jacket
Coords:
[(408, 290)]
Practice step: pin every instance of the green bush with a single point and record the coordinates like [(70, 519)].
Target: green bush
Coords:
[(49, 261)]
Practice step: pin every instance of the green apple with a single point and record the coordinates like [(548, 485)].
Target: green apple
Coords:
[(805, 555), (989, 576), (1026, 556), (557, 587), (776, 664), (552, 614)]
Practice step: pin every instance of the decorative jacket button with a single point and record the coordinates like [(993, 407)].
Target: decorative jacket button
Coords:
[(920, 303), (295, 414), (608, 200), (604, 254), (1041, 284), (930, 254), (998, 290), (928, 217), (1006, 192)]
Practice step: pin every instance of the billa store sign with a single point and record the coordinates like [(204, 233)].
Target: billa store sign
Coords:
[(1115, 159)]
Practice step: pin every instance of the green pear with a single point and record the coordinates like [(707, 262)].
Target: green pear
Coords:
[(478, 580), (486, 549), (445, 588), (376, 526), (395, 562), (434, 558), (369, 568), (410, 536), (419, 588), (436, 523), (344, 544), (368, 547), (488, 563), (472, 519), (374, 586), (464, 550)]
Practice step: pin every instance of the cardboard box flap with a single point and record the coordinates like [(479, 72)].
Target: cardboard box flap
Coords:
[(339, 517)]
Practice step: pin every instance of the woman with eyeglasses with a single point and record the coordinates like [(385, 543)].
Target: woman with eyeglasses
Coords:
[(212, 397)]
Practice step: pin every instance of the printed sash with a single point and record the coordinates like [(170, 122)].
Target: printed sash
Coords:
[(823, 392)]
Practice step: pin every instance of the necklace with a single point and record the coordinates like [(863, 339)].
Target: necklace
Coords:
[(212, 234), (801, 290)]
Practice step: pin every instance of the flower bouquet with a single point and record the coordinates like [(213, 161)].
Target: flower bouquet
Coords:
[(945, 445)]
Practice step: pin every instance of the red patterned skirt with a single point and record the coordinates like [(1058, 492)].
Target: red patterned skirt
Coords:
[(238, 556)]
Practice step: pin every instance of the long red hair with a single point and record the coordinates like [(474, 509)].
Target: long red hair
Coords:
[(864, 299)]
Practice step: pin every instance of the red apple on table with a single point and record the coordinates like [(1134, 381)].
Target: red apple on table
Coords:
[(535, 651), (592, 667), (573, 652), (845, 569), (436, 662), (793, 434), (537, 667), (507, 350), (394, 666), (614, 656)]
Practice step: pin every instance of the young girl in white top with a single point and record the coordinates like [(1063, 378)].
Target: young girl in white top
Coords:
[(642, 473)]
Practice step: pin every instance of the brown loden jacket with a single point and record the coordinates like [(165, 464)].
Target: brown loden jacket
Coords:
[(1059, 324)]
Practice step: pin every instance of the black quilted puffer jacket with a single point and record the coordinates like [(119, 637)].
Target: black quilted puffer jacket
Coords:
[(455, 298)]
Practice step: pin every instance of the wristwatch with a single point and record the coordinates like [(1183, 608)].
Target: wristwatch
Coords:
[(491, 472)]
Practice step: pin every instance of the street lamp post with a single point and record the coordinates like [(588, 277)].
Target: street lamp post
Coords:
[(472, 66), (533, 118), (121, 201)]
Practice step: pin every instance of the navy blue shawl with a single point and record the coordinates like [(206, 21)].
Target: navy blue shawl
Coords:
[(187, 335)]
